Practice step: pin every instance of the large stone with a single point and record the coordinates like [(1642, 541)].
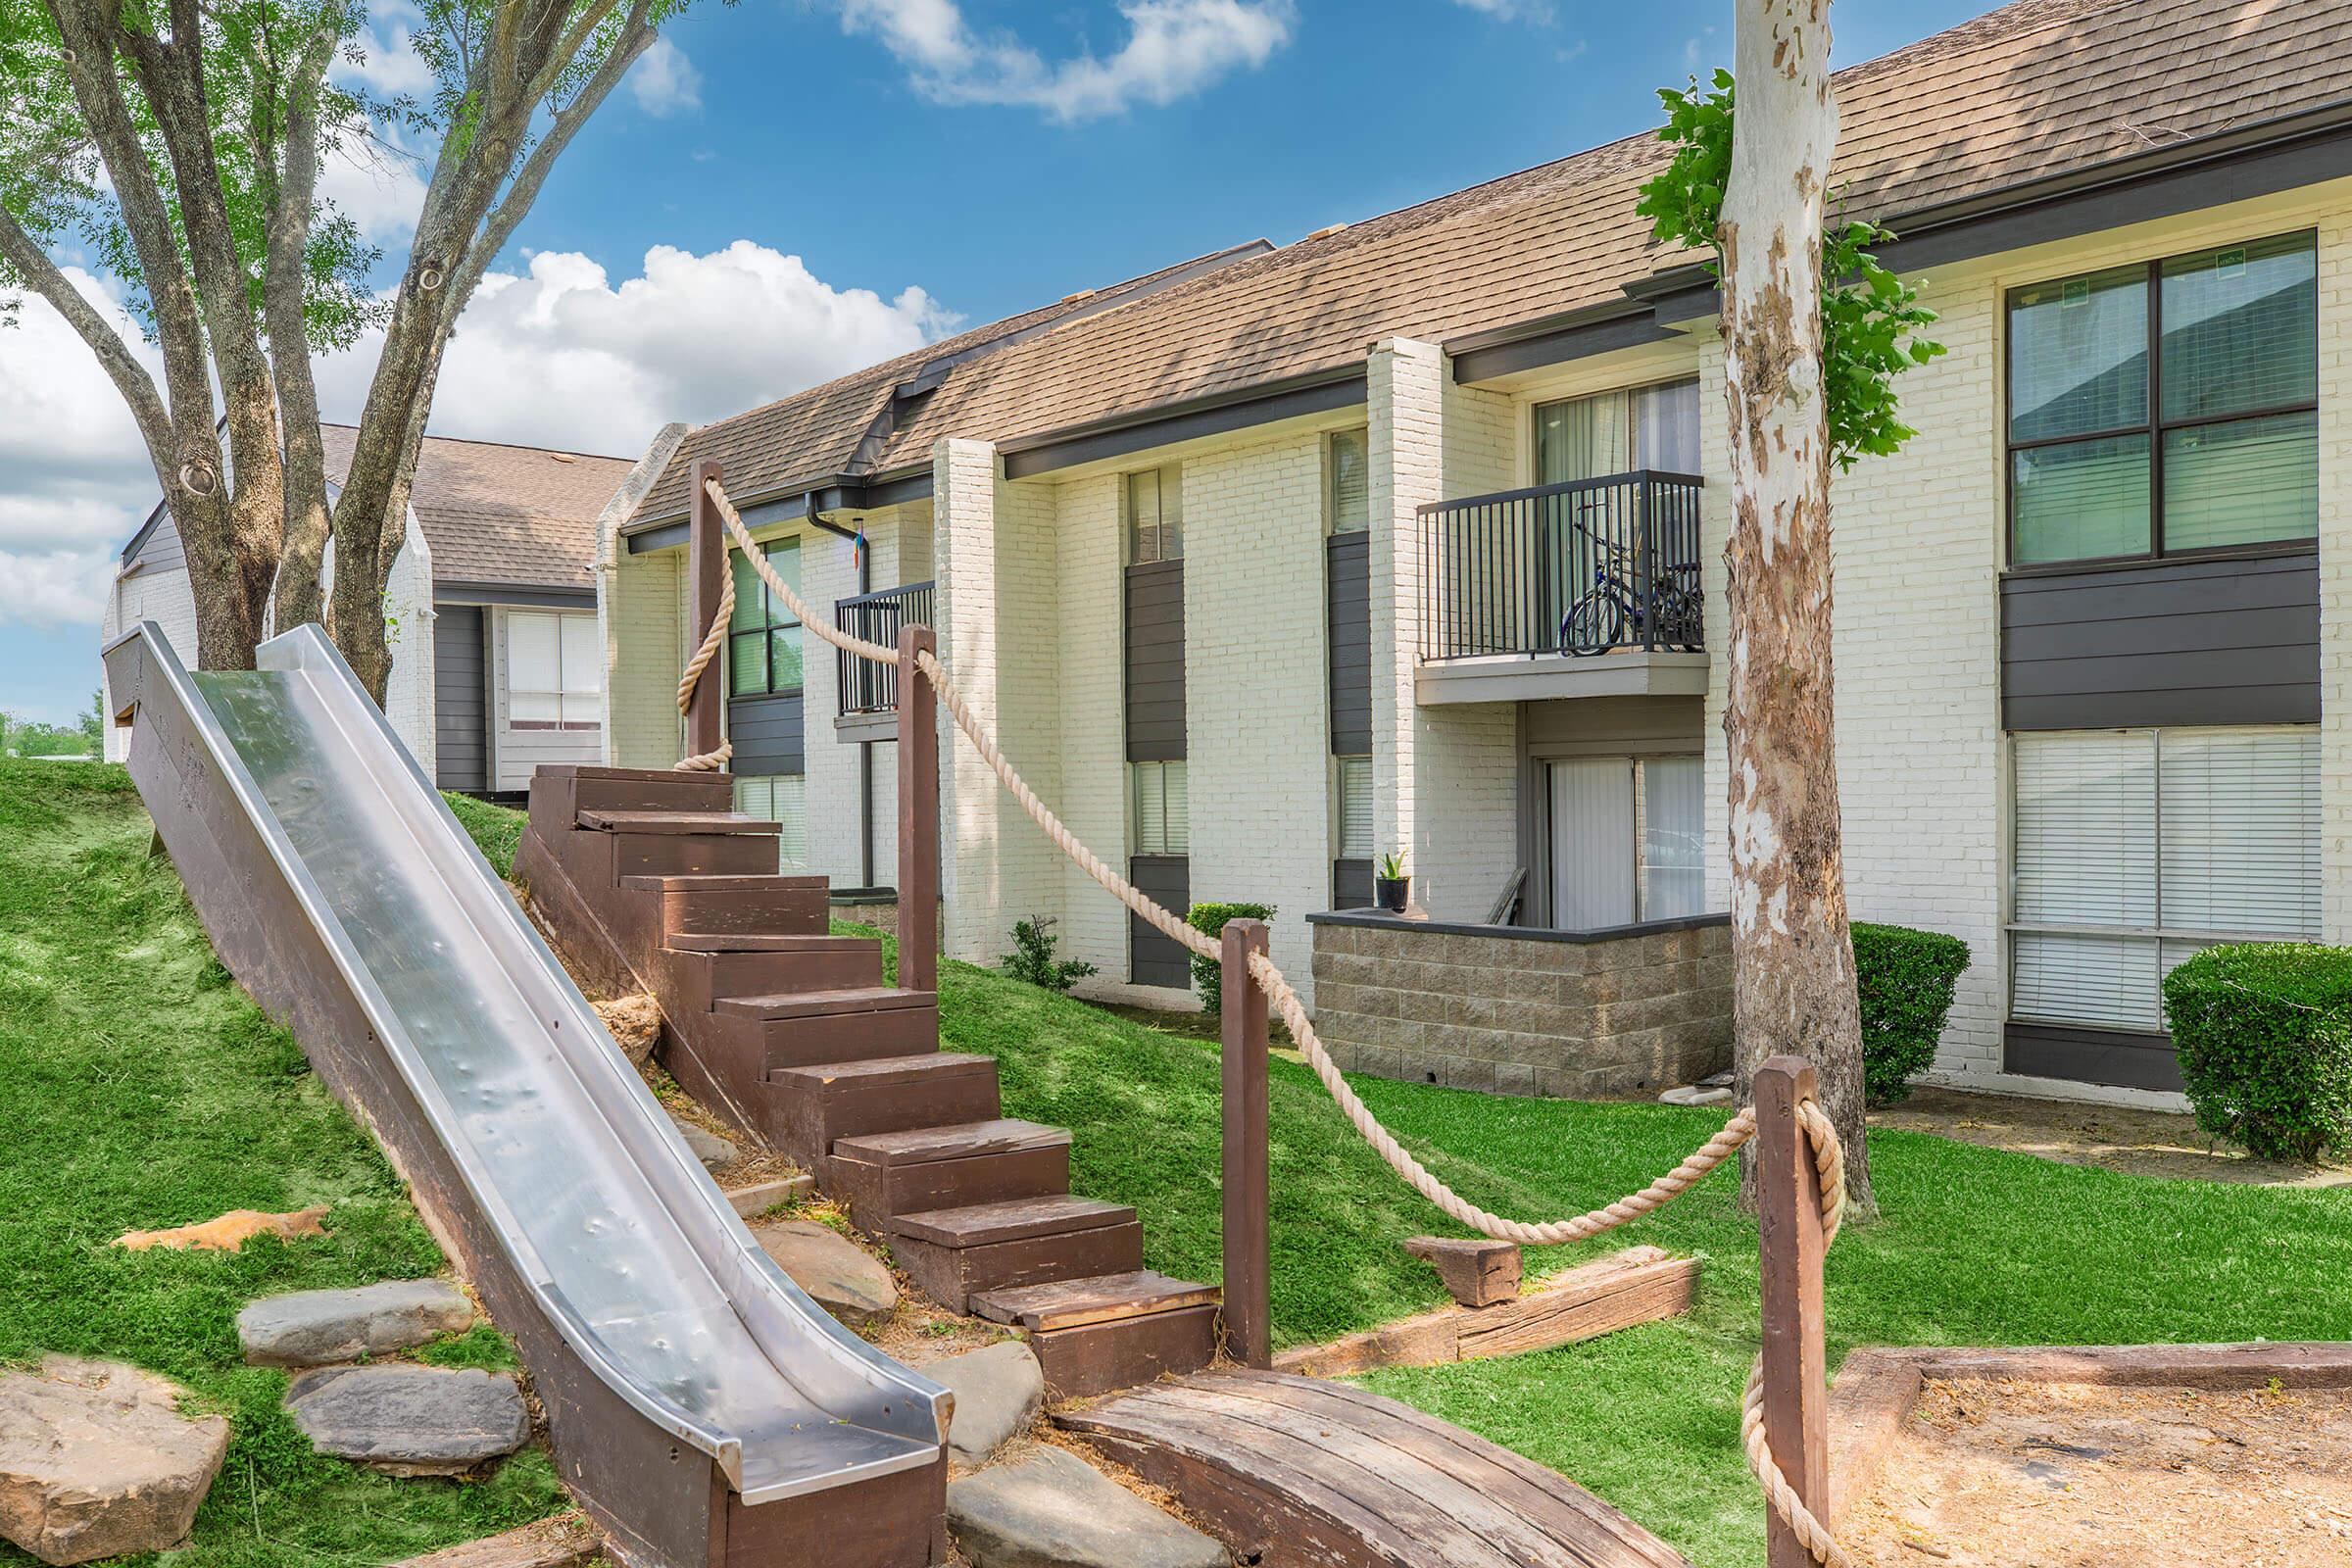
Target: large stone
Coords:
[(411, 1420), (96, 1460), (998, 1390), (315, 1328), (836, 1271), (1054, 1511), (715, 1152)]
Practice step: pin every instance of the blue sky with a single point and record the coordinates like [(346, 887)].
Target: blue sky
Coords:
[(929, 164)]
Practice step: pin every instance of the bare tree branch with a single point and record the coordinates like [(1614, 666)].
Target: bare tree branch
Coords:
[(307, 519)]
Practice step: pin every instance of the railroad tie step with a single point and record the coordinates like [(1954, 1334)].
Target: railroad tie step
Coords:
[(724, 822), (1112, 1331), (954, 1253), (812, 1109), (881, 1176)]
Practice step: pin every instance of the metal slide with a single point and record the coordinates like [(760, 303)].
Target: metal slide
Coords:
[(480, 1060)]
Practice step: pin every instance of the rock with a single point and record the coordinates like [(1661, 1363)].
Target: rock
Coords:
[(1054, 1511), (761, 1197), (411, 1420), (634, 1023), (230, 1232), (1695, 1095), (314, 1328), (715, 1152), (566, 1540), (998, 1390), (1718, 1080), (843, 1278), (96, 1460)]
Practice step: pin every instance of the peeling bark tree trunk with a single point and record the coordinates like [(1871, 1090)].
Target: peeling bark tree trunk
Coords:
[(1792, 958)]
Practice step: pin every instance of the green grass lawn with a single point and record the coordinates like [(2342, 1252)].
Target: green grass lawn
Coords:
[(139, 1089)]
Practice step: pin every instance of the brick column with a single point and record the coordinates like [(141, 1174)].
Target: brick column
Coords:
[(1406, 398), (964, 500)]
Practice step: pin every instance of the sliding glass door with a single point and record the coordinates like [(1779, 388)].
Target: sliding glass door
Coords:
[(1628, 840)]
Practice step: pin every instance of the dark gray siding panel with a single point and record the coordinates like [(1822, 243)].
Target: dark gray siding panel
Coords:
[(766, 732), (461, 719), (1347, 612), (2225, 641), (1155, 663), (1153, 959), (1351, 884), (2093, 1055)]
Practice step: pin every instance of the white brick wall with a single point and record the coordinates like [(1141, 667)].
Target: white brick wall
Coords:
[(1029, 604), (1255, 691), (640, 598), (828, 571), (1405, 397), (1092, 714), (963, 501)]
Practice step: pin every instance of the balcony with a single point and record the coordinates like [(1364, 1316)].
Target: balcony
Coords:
[(868, 692), (1586, 589)]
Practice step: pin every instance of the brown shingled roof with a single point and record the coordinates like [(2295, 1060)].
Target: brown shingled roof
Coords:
[(2034, 89), (501, 515)]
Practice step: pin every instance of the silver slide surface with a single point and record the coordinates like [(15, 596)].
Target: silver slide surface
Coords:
[(633, 1253)]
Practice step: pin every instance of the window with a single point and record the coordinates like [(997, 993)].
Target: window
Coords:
[(555, 672), (764, 641), (1628, 840), (1348, 481), (1163, 818), (1156, 516), (1353, 797), (2136, 847), (2211, 442), (781, 799), (1616, 432)]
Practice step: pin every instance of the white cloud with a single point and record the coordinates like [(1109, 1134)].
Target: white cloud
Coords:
[(379, 185), (388, 65), (74, 480), (564, 356), (665, 82), (1174, 48), (1536, 10)]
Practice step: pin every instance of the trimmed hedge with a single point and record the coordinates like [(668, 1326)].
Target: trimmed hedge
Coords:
[(1904, 980), (2264, 1034), (1211, 919)]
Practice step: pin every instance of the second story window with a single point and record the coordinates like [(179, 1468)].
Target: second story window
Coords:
[(1346, 481), (1615, 432), (2210, 442), (764, 641), (1154, 504)]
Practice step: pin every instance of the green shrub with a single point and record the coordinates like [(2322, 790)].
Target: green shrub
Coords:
[(2264, 1034), (1032, 957), (1905, 980), (1211, 918)]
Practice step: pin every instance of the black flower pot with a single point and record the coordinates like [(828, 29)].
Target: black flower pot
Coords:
[(1392, 893)]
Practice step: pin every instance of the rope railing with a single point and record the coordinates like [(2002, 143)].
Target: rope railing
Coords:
[(1829, 1156)]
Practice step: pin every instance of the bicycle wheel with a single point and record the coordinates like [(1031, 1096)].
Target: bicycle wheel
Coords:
[(1592, 626)]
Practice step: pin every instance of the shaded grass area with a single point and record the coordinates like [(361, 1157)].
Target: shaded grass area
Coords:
[(140, 1088), (496, 829), (1978, 1246)]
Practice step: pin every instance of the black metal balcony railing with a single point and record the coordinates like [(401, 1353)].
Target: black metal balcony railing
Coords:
[(869, 688), (1574, 568)]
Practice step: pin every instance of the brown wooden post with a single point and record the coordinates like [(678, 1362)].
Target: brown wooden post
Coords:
[(1793, 1244), (919, 816), (707, 563), (1248, 1307)]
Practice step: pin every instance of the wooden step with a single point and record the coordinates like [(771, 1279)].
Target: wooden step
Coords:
[(758, 942), (983, 1166), (852, 1033), (630, 789), (754, 883), (1013, 1220), (816, 1003), (599, 822), (637, 854), (923, 1146), (1076, 1303), (819, 963), (812, 1108), (951, 1275), (747, 904)]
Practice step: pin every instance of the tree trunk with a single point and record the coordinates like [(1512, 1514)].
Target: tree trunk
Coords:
[(1792, 958)]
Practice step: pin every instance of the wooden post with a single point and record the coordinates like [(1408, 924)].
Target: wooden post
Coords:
[(1249, 1308), (1793, 1244), (707, 563), (919, 816)]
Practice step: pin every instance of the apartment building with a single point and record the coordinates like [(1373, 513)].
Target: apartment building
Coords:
[(1408, 536)]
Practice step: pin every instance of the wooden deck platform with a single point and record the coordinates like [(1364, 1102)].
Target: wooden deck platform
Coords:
[(1292, 1472)]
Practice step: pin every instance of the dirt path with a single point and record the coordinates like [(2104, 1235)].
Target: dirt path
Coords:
[(2140, 1143)]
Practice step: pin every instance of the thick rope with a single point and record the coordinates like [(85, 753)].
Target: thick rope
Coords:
[(1829, 1156), (713, 640)]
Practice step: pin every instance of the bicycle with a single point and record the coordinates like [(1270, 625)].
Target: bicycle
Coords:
[(1602, 616)]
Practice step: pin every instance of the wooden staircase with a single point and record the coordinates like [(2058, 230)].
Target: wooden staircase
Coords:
[(652, 882)]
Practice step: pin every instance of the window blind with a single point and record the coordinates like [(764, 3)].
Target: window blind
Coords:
[(1163, 815), (1674, 836), (1349, 499), (1356, 807)]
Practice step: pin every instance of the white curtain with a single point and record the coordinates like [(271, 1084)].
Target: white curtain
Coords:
[(1591, 843), (1673, 836)]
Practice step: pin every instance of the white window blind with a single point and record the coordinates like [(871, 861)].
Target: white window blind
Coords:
[(1162, 815), (555, 672), (1349, 498), (782, 798), (1674, 836), (1356, 807), (1156, 516), (2136, 848)]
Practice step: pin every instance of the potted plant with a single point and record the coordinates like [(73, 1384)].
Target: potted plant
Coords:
[(1392, 889)]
